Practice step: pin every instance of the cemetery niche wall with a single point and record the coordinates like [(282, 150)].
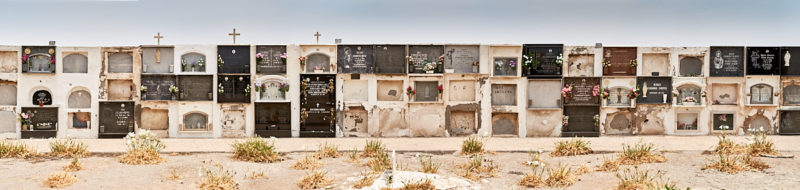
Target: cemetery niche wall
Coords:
[(542, 60), (425, 58), (273, 120), (317, 105), (726, 61), (158, 87), (426, 111), (233, 59), (233, 89), (390, 59), (462, 105), (271, 88), (544, 111), (158, 59), (763, 94), (789, 66), (195, 88), (619, 61), (43, 122), (116, 118), (271, 59), (76, 62), (462, 58), (9, 59), (318, 58), (790, 122), (654, 90), (581, 104), (38, 59), (656, 61), (583, 61), (616, 114), (76, 91), (355, 59), (763, 60)]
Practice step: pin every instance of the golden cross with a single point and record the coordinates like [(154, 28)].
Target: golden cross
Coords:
[(158, 38), (234, 34), (317, 35)]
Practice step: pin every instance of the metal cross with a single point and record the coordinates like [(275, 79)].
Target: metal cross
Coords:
[(234, 34), (317, 35), (158, 38)]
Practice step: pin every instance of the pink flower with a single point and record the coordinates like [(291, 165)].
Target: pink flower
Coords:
[(260, 55), (283, 55)]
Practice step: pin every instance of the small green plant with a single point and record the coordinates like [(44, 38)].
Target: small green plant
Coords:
[(217, 177), (640, 153), (373, 148), (637, 179), (73, 166), (477, 167), (561, 176), (353, 156), (15, 150), (366, 180), (428, 165), (380, 162), (315, 179), (571, 147), (535, 179), (472, 145), (760, 144), (67, 148), (327, 151), (256, 149), (143, 148)]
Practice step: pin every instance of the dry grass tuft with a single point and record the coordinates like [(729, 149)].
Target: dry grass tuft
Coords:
[(419, 185), (733, 164), (373, 148), (532, 180), (755, 164), (15, 150), (327, 151), (217, 179), (143, 148), (353, 157), (582, 170), (308, 162), (256, 175), (67, 148), (256, 149), (139, 157), (60, 180), (380, 162), (726, 146), (477, 167), (636, 179), (572, 147), (609, 165), (73, 166), (428, 165), (174, 175), (366, 180), (640, 153), (560, 177), (314, 180), (472, 145), (760, 144)]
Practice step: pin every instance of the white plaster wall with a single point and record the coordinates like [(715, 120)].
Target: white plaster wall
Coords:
[(14, 78), (70, 82), (768, 111), (737, 110), (703, 113), (179, 109), (487, 109), (210, 51)]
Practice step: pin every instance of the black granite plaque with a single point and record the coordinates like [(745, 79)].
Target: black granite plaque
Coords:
[(583, 91), (580, 121), (196, 87), (116, 118), (158, 87), (654, 90), (273, 120), (763, 60), (790, 122), (422, 55), (619, 60), (234, 88), (38, 59), (43, 122), (462, 58), (235, 59), (42, 97), (727, 61), (355, 59), (390, 59), (790, 67), (724, 119), (317, 105), (542, 60), (271, 61)]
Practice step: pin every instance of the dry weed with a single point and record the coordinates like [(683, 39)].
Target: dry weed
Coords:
[(314, 180), (560, 177), (477, 167), (327, 151), (217, 179), (60, 180), (380, 162), (256, 175), (67, 148), (308, 162), (366, 180), (73, 166), (15, 150), (174, 175), (419, 185), (256, 150), (373, 148), (472, 145), (139, 157), (428, 165), (572, 147)]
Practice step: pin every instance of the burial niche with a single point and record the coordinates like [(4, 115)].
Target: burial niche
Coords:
[(42, 97), (157, 60), (193, 62), (691, 67), (724, 94), (791, 95), (80, 99), (760, 122), (462, 123), (544, 94), (271, 59), (505, 66), (79, 120), (318, 62), (272, 89), (618, 96), (8, 93), (504, 124), (689, 95), (720, 120), (619, 61), (620, 124), (504, 94), (581, 65), (390, 90), (195, 122), (120, 63), (155, 119), (8, 61), (655, 64), (761, 94), (355, 90), (76, 63), (461, 90), (8, 121), (687, 121), (427, 91), (120, 90)]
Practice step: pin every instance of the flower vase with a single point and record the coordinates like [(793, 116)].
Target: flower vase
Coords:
[(475, 69), (428, 72), (24, 127)]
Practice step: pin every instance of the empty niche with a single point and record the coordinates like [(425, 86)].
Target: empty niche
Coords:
[(8, 93), (504, 124), (76, 63), (687, 121), (462, 90), (8, 61), (462, 123), (193, 62), (724, 94), (691, 66), (655, 64), (791, 95), (79, 120), (688, 95), (79, 99), (544, 94), (581, 65), (195, 122), (155, 119), (8, 122), (504, 94), (390, 90), (233, 122), (427, 91), (761, 94), (619, 124), (120, 63), (355, 90), (356, 120), (120, 90), (318, 61)]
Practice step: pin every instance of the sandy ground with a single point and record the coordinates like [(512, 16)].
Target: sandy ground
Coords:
[(104, 172)]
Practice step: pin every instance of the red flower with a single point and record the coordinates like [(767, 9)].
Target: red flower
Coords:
[(440, 88)]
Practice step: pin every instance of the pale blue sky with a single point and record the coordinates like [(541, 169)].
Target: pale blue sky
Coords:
[(574, 22)]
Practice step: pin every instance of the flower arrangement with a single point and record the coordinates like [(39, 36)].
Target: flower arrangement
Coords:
[(247, 90), (606, 63), (24, 118), (220, 62), (257, 86), (197, 64), (634, 93), (201, 63), (689, 99), (512, 63), (559, 60), (220, 89), (25, 57), (529, 61), (475, 63), (566, 91), (565, 121), (303, 60), (284, 87), (596, 90), (143, 89), (605, 93), (596, 120), (283, 57), (430, 66), (703, 94), (633, 63), (173, 89), (440, 88), (259, 57), (675, 93), (410, 91), (410, 60)]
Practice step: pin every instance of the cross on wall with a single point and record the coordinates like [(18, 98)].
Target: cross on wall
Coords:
[(234, 34)]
